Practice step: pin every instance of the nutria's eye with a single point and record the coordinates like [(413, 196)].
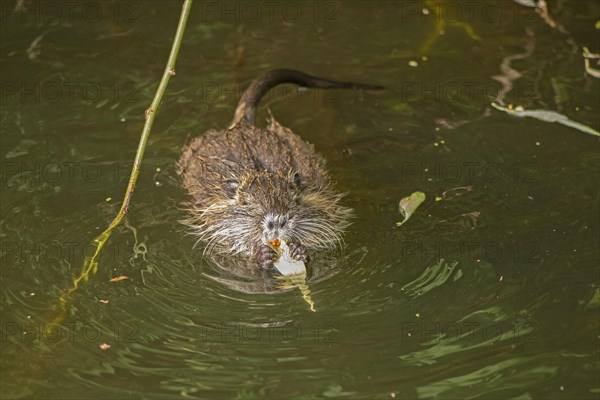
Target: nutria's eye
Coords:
[(231, 187), (283, 222), (297, 179)]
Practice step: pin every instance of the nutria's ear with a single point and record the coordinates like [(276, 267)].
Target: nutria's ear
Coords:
[(297, 179), (231, 187)]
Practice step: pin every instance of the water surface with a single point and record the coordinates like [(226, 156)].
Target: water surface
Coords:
[(489, 291)]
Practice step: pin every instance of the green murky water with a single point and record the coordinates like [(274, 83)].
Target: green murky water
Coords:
[(489, 291)]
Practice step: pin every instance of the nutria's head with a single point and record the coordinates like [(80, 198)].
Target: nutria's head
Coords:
[(254, 208)]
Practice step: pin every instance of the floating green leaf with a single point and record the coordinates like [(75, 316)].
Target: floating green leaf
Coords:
[(409, 204)]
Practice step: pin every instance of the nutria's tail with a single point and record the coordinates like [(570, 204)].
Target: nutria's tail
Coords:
[(262, 84)]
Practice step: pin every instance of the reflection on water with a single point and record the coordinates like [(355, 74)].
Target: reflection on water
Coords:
[(490, 290), (235, 273)]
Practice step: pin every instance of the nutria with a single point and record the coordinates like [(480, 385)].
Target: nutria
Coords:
[(250, 185)]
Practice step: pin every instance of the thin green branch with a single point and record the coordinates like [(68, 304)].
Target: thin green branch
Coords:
[(90, 264)]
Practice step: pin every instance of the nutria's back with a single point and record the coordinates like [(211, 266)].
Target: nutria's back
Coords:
[(246, 148)]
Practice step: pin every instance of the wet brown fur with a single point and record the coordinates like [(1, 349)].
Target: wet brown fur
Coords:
[(266, 160)]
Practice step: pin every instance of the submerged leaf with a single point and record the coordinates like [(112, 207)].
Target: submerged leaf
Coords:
[(595, 300), (547, 116), (299, 281), (409, 204), (336, 391)]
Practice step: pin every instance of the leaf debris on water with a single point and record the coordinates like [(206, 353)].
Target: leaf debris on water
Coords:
[(547, 116), (119, 278), (409, 204), (587, 56)]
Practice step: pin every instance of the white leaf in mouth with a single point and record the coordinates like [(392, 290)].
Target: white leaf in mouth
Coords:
[(285, 264)]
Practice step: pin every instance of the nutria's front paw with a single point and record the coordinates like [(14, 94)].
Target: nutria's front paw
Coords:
[(299, 252), (265, 257)]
